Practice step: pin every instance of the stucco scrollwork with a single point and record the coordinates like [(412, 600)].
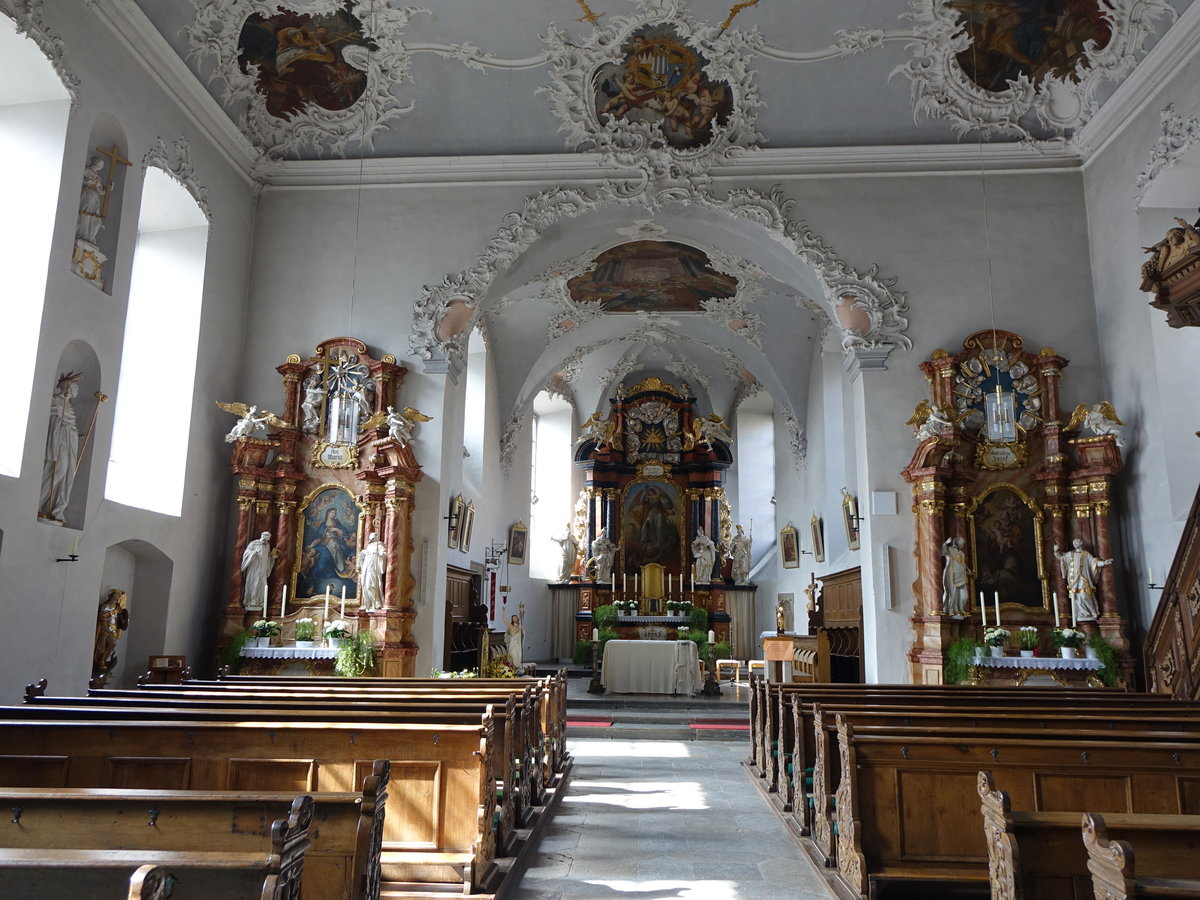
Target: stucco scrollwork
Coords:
[(176, 160), (641, 142), (1059, 101), (796, 439), (1179, 135), (27, 14)]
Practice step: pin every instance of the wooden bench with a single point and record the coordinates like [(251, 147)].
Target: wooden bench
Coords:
[(1166, 865), (440, 806), (1034, 855), (268, 865), (907, 802)]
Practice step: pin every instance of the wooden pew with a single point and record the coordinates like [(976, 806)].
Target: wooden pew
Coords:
[(1041, 856), (906, 804), (1166, 864), (438, 825), (268, 865), (345, 841)]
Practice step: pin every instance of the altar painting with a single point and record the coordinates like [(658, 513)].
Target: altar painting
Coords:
[(660, 79), (1034, 38), (654, 276), (328, 551), (1007, 536), (650, 524), (302, 59)]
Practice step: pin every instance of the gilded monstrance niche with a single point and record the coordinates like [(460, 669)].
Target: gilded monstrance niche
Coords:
[(1003, 489)]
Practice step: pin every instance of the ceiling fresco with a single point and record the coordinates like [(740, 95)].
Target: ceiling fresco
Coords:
[(651, 276)]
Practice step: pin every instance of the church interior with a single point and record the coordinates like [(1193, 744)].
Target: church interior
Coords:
[(868, 326)]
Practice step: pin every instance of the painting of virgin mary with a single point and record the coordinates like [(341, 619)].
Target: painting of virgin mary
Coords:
[(328, 545)]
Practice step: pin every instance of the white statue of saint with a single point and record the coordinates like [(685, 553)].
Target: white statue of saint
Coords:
[(739, 553), (704, 552), (257, 561), (954, 578), (1082, 573), (91, 201), (314, 393), (514, 639), (372, 563), (62, 450), (604, 552), (570, 552)]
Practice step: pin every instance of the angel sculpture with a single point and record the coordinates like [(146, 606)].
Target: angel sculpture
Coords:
[(601, 430), (705, 430), (1100, 418), (928, 421), (400, 425), (249, 424)]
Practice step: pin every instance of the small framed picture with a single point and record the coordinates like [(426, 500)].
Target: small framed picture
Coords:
[(850, 518), (457, 508), (468, 526), (518, 543), (789, 547), (817, 527)]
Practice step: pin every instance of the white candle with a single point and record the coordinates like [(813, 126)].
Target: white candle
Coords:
[(75, 548), (328, 587), (1055, 596), (624, 576), (668, 582), (595, 634), (613, 586), (996, 597), (635, 579), (283, 603), (711, 638), (1149, 570), (343, 601), (1072, 602), (982, 609), (693, 582), (264, 603)]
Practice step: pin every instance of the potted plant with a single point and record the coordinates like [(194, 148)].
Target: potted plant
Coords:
[(1028, 639), (336, 632), (356, 654), (1068, 640), (264, 630), (674, 607), (996, 639), (306, 630), (626, 608)]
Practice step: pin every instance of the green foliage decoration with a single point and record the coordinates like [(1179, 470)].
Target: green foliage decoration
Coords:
[(604, 617), (231, 655), (356, 656), (958, 660), (1110, 674)]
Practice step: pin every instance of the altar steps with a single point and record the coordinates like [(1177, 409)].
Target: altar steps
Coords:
[(624, 718)]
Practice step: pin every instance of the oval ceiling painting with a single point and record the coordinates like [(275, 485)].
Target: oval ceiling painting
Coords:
[(1034, 38), (652, 276), (659, 78)]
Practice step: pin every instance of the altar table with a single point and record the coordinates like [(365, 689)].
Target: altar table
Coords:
[(288, 660), (651, 667), (1034, 670)]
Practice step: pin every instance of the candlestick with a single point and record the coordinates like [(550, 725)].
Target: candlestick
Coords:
[(1055, 596), (343, 615), (996, 598), (595, 634), (982, 609), (283, 603)]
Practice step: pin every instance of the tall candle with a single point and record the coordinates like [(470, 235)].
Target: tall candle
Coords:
[(693, 582), (1071, 600), (996, 597), (343, 615), (613, 586), (982, 609), (624, 576), (1149, 569), (75, 548), (595, 634), (1056, 622), (635, 582), (328, 588), (283, 603)]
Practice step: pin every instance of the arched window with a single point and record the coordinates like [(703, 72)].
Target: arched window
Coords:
[(154, 399), (34, 107), (552, 503)]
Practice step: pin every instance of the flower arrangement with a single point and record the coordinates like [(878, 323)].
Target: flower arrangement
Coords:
[(465, 673), (1028, 637), (338, 628), (499, 667), (1068, 637), (679, 606), (625, 606), (306, 629), (683, 633), (996, 637), (266, 628)]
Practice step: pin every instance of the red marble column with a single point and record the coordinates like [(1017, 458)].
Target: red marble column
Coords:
[(1103, 550), (285, 545)]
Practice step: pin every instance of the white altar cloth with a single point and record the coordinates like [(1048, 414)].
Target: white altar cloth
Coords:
[(289, 652), (1037, 662), (651, 667)]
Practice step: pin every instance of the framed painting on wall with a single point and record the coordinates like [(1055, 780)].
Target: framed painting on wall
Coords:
[(817, 527), (327, 544), (789, 547), (454, 532), (518, 544), (468, 526)]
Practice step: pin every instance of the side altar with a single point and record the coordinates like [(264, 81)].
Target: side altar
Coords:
[(325, 501), (652, 527)]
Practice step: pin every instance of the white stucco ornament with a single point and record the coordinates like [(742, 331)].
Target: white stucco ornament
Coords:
[(657, 91), (1179, 135)]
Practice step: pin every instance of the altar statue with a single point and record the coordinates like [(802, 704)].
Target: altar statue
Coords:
[(250, 422), (705, 430), (570, 551), (739, 553), (1082, 572), (704, 552), (604, 552), (314, 394), (111, 619), (1100, 418), (62, 450), (514, 638), (372, 563), (400, 425), (257, 562), (929, 420), (91, 201), (955, 587)]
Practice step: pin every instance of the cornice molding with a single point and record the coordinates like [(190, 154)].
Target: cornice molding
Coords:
[(131, 27), (772, 164), (1177, 47)]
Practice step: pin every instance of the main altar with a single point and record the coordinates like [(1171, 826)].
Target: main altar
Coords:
[(652, 525)]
